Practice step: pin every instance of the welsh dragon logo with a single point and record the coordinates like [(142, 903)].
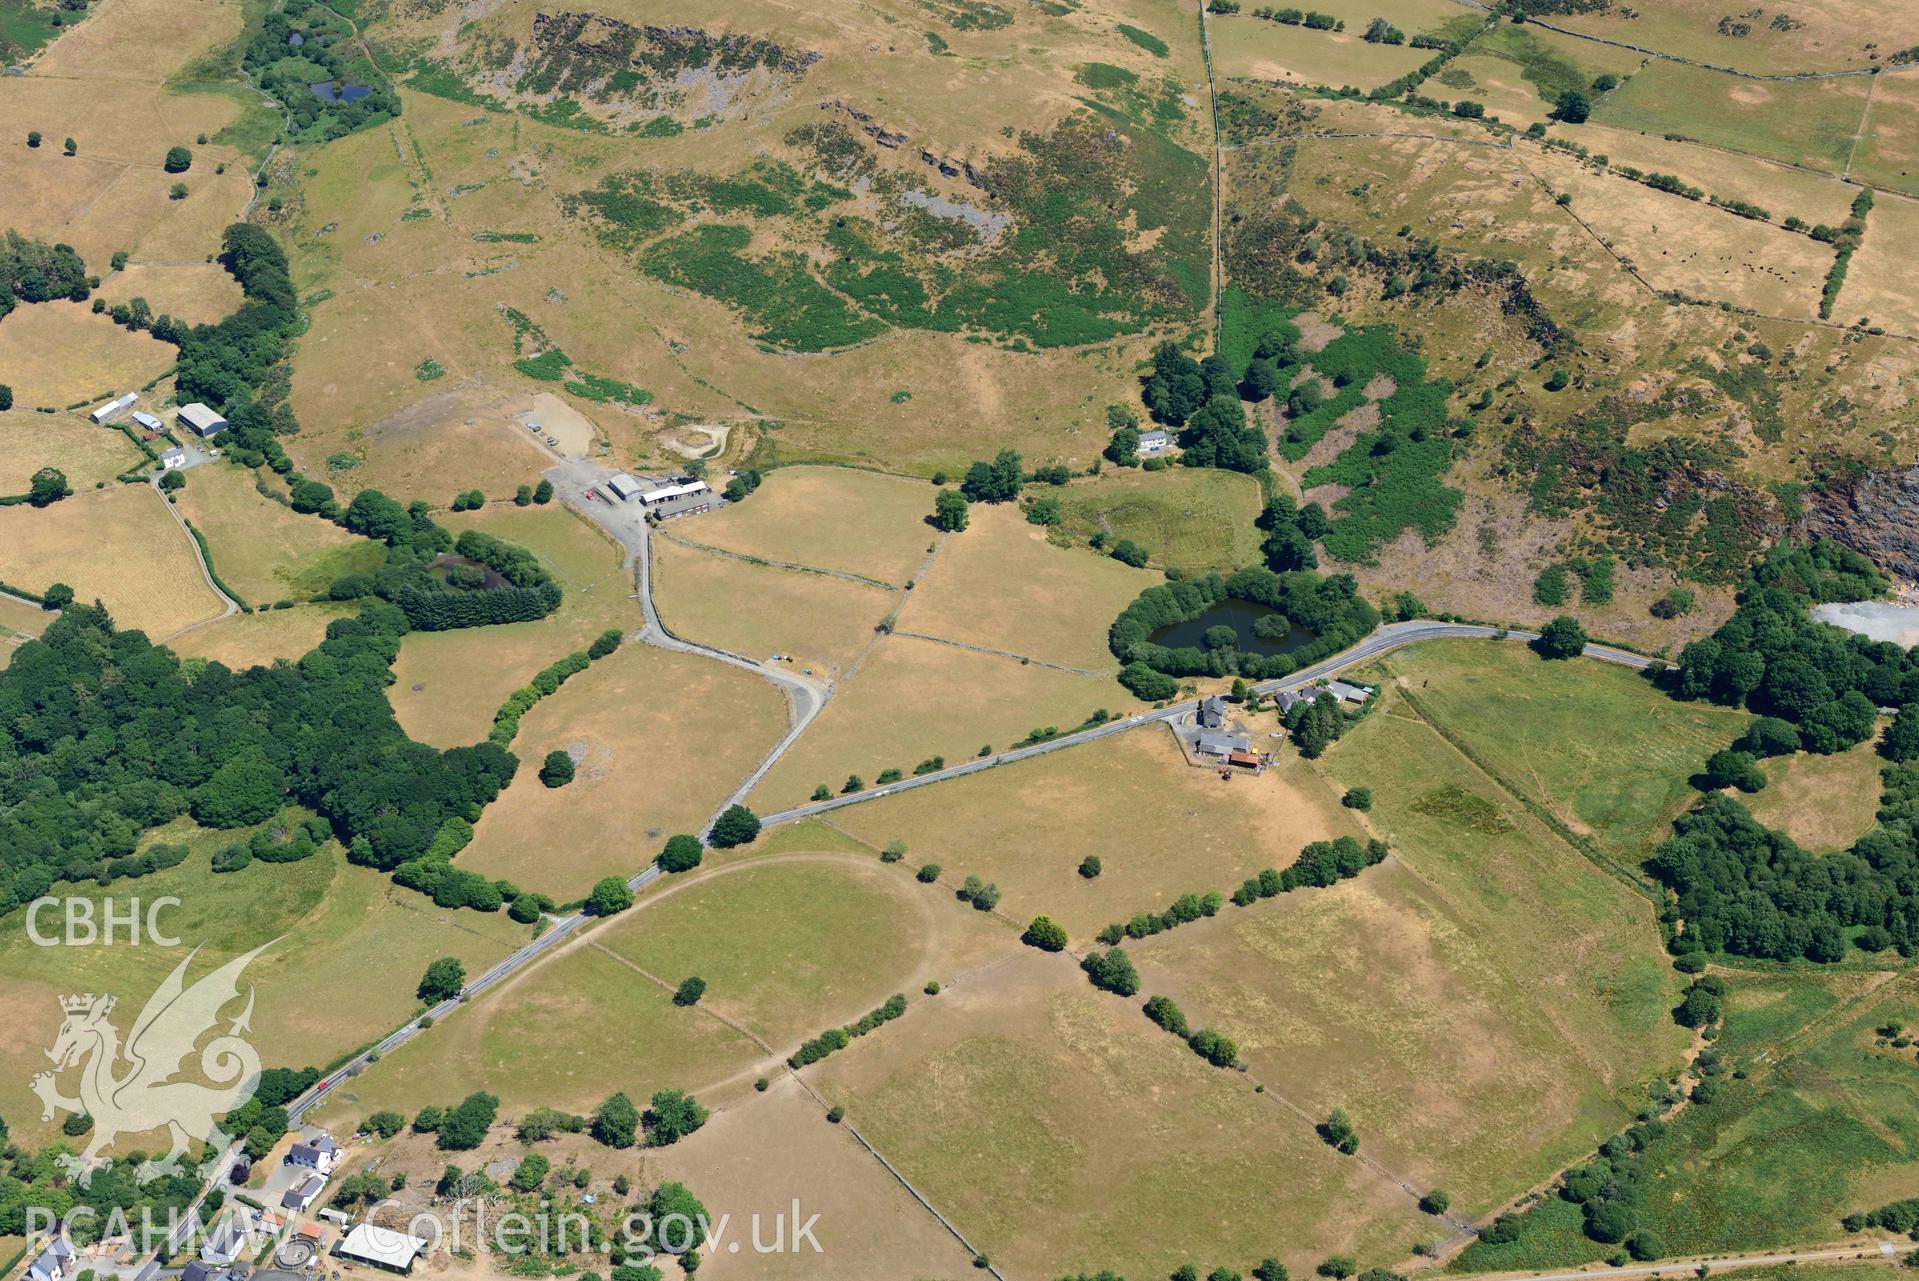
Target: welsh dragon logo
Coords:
[(130, 1090)]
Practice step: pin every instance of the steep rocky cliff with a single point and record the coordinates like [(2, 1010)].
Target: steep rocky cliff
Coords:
[(1877, 514)]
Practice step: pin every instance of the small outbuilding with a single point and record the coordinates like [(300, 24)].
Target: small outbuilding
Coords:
[(381, 1247), (653, 498), (623, 487), (201, 421), (114, 408), (148, 421), (1221, 745), (1348, 693)]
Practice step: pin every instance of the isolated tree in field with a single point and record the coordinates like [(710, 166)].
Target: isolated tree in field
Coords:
[(523, 496), (6, 396), (33, 137), (1338, 1267), (1357, 798), (1337, 1130), (1270, 1270), (1046, 934), (1701, 1008), (543, 492), (72, 147), (1090, 866), (616, 1122), (1438, 1201), (1128, 552), (690, 991), (1573, 108), (442, 981), (557, 769), (737, 826), (178, 160), (682, 853), (949, 511), (384, 1124), (1561, 638), (609, 896), (49, 485), (673, 1116)]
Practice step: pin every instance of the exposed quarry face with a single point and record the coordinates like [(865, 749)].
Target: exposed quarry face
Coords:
[(1877, 514)]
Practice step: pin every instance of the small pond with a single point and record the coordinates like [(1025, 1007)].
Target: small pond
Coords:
[(326, 91), (1242, 616)]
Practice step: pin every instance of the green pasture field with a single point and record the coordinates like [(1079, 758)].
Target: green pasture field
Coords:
[(832, 518), (1888, 153), (1823, 1124), (1596, 745), (266, 551), (1825, 35), (1807, 122), (1196, 518), (1245, 47), (249, 640), (88, 455), (789, 945), (370, 939)]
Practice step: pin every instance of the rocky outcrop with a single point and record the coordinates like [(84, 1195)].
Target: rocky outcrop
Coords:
[(1876, 513)]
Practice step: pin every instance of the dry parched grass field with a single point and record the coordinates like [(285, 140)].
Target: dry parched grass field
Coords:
[(820, 622), (448, 684), (1160, 827), (1001, 585), (833, 518), (56, 353), (250, 640), (1823, 802), (915, 699), (660, 740), (88, 455), (118, 545), (1062, 1131), (263, 550)]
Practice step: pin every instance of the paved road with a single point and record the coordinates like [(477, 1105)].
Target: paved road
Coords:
[(1385, 639), (1673, 1267), (625, 523), (1382, 641)]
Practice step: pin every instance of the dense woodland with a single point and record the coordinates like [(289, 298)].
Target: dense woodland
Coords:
[(104, 735), (1741, 888), (31, 271)]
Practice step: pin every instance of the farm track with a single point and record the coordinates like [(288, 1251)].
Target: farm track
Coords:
[(232, 606)]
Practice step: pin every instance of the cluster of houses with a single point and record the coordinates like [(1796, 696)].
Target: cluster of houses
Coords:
[(226, 1253), (1215, 741), (663, 500), (195, 418)]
